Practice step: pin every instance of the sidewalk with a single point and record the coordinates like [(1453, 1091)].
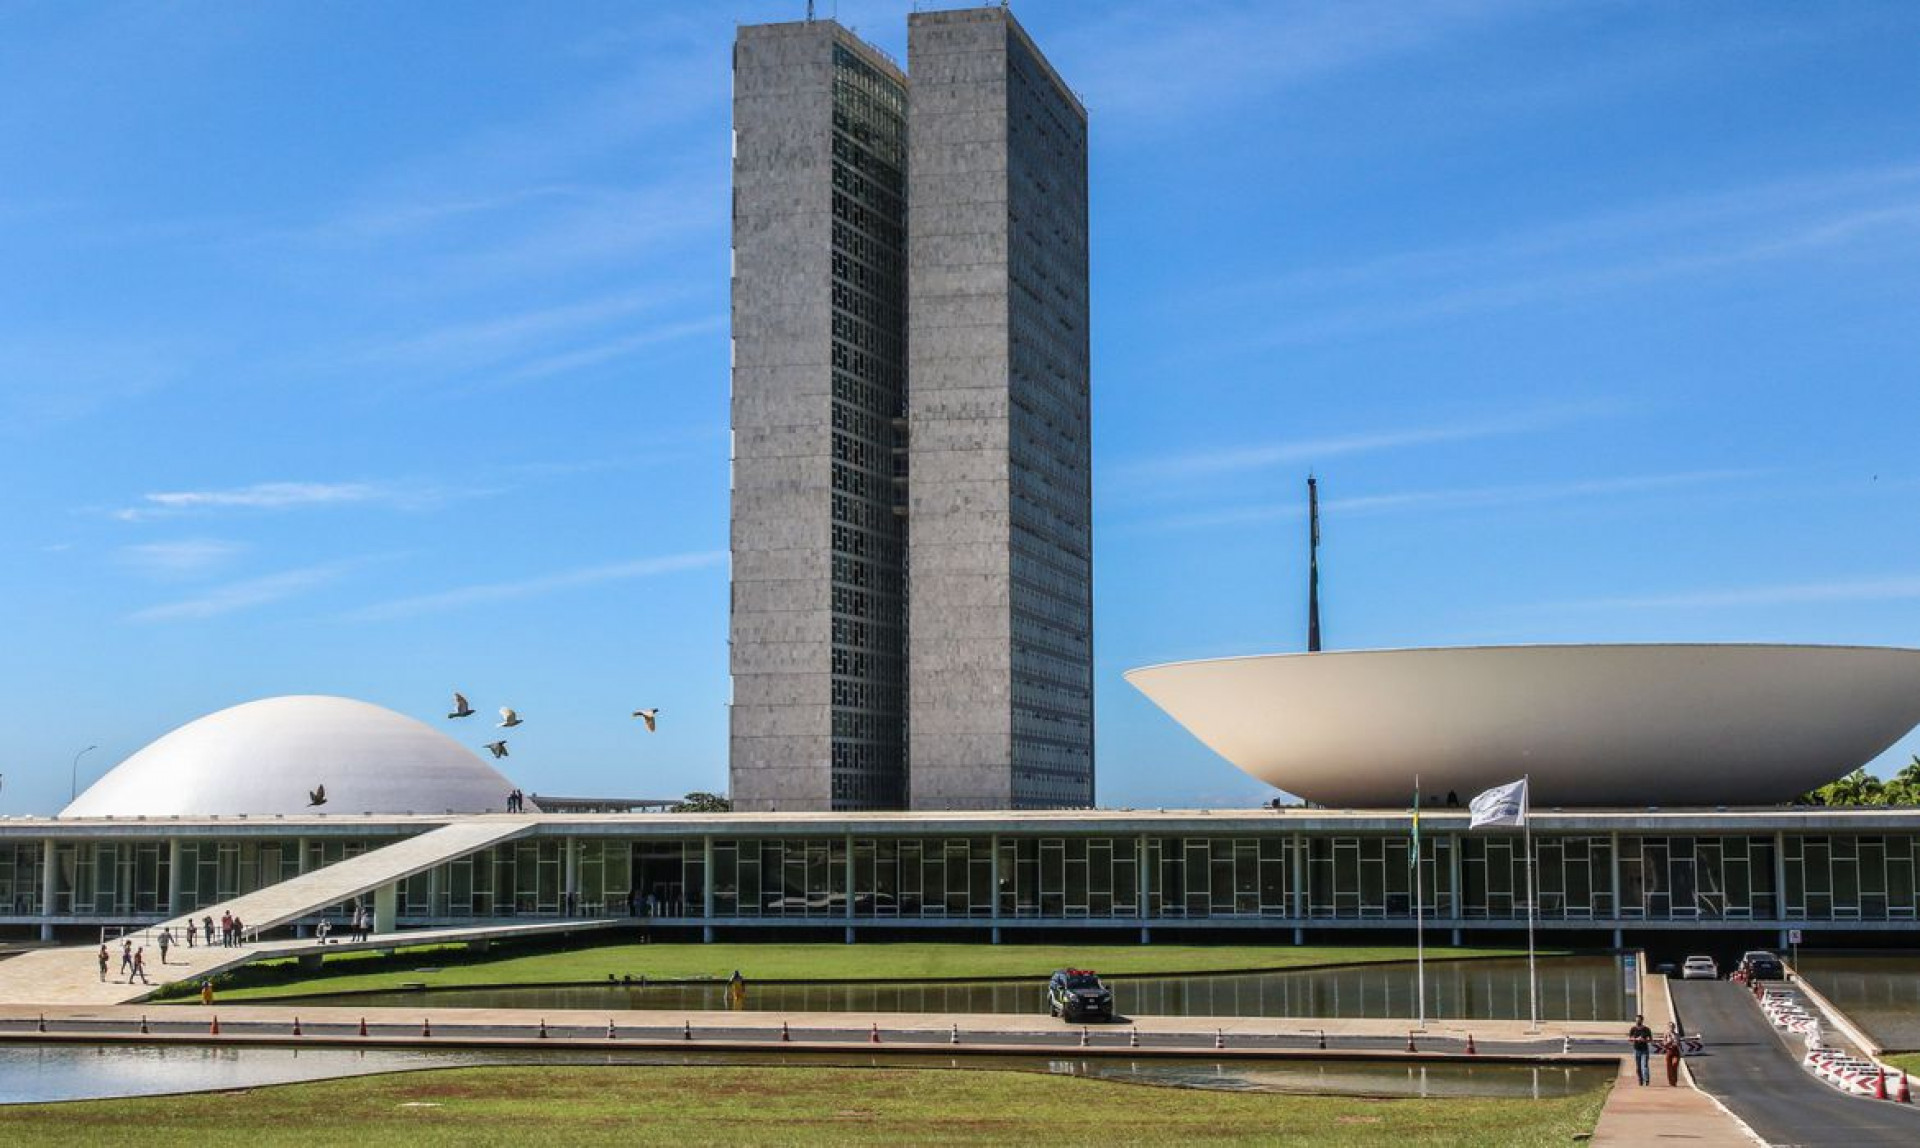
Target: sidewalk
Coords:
[(1636, 1116)]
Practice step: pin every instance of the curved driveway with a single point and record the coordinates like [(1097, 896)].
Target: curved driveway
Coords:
[(1751, 1069)]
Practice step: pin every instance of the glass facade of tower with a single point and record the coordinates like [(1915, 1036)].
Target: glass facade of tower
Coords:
[(1049, 432), (869, 397)]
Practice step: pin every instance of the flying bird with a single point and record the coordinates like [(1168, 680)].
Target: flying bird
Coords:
[(460, 706), (317, 796), (498, 748), (508, 719), (650, 717)]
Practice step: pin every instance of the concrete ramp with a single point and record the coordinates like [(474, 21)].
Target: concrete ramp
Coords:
[(71, 976), (308, 893)]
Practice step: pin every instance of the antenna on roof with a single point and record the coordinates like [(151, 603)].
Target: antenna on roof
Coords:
[(1313, 565)]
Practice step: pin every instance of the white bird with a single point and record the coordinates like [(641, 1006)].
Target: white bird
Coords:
[(508, 719), (460, 706), (498, 748), (649, 717), (317, 796)]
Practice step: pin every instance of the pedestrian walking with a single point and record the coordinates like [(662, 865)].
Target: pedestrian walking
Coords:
[(191, 928), (1641, 1037), (166, 942), (126, 960), (206, 929), (105, 960), (140, 965), (239, 932)]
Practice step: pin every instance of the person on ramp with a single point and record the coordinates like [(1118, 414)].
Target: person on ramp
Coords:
[(1641, 1037)]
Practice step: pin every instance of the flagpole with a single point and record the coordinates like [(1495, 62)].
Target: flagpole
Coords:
[(1419, 915), (1533, 979)]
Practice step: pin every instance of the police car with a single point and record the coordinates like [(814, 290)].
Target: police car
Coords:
[(1077, 994)]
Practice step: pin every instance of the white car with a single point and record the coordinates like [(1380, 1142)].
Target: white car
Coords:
[(1699, 969)]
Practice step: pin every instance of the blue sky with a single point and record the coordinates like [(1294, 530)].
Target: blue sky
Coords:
[(381, 350)]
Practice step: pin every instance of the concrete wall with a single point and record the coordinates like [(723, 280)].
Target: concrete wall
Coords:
[(998, 427), (781, 411)]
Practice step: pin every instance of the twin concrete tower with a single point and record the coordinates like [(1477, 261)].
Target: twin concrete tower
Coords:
[(912, 616)]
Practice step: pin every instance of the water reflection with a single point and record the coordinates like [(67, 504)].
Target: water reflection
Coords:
[(1571, 988), (1881, 992), (35, 1073)]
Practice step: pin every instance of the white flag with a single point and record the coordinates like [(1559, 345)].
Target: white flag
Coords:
[(1501, 805)]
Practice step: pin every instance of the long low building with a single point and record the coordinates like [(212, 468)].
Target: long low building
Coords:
[(1612, 873), (244, 802)]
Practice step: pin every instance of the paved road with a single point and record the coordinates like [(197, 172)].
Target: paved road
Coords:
[(1752, 1070)]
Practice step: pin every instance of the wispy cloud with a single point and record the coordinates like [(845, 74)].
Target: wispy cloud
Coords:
[(251, 593), (612, 349), (1891, 589), (1295, 452), (1462, 498), (1863, 212), (270, 496), (181, 558), (1137, 62), (487, 594)]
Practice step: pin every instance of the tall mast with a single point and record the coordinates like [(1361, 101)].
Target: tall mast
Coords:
[(1313, 566)]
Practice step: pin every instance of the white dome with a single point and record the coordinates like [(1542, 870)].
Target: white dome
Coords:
[(263, 757)]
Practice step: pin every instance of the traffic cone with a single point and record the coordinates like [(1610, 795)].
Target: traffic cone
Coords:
[(1880, 1085), (1083, 1036), (214, 1028), (143, 1025), (785, 1034), (1471, 1051), (296, 1026), (955, 1037), (1219, 1038), (611, 1035), (543, 1028), (1410, 1047), (363, 1026), (1905, 1094), (426, 1027), (874, 1036), (686, 1031), (1133, 1037)]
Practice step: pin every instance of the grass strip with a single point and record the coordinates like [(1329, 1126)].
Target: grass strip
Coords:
[(623, 1105)]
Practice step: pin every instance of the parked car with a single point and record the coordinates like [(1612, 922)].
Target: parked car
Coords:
[(1699, 969), (1761, 965), (1077, 994)]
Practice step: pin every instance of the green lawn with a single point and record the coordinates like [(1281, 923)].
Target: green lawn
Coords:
[(354, 972), (576, 1106), (1908, 1062)]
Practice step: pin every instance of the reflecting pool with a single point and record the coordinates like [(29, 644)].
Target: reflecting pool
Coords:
[(1571, 988), (33, 1073)]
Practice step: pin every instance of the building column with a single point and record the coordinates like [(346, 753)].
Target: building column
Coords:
[(846, 911), (706, 888), (993, 846), (1144, 880), (47, 886), (1456, 894), (173, 877), (1780, 880), (386, 903), (1613, 875), (1297, 845), (570, 876)]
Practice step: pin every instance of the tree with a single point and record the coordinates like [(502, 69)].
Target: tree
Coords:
[(1856, 788), (698, 802)]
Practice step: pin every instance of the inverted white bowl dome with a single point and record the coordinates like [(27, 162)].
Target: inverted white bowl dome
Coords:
[(264, 757), (1592, 725)]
